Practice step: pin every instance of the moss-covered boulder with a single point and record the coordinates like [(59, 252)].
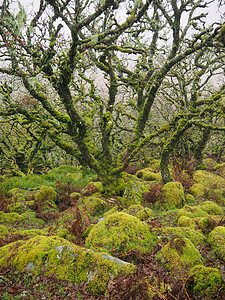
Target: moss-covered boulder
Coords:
[(209, 179), (46, 193), (191, 212), (217, 241), (139, 211), (198, 190), (173, 195), (10, 217), (212, 208), (95, 205), (133, 193), (180, 255), (148, 175), (189, 199), (195, 236), (204, 281), (119, 233), (66, 260), (185, 221)]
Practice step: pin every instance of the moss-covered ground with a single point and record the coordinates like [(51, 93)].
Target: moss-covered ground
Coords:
[(60, 238)]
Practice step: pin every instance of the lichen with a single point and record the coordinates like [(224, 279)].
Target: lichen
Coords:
[(207, 281), (66, 260), (119, 233), (180, 255)]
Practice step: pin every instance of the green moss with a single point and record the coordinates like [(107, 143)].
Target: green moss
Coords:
[(95, 205), (189, 198), (94, 187), (75, 195), (133, 193), (191, 212), (154, 164), (197, 190), (66, 260), (207, 281), (119, 233), (140, 212), (10, 217), (195, 236), (75, 176), (208, 179), (4, 230), (46, 193), (173, 194), (219, 167), (209, 163), (30, 218), (148, 175), (217, 241), (212, 208), (111, 211), (181, 255), (185, 221)]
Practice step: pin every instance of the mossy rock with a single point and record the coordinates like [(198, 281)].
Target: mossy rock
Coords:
[(208, 179), (66, 260), (217, 241), (154, 164), (209, 163), (46, 193), (205, 281), (191, 212), (120, 233), (180, 255), (13, 217), (207, 223), (93, 188), (173, 195), (195, 236), (212, 208), (190, 199), (133, 193), (198, 190), (95, 205), (219, 167), (140, 212), (185, 221), (75, 195), (75, 176), (148, 175), (217, 195), (111, 211)]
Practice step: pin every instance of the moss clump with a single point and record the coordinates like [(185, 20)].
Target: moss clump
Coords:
[(66, 260), (111, 211), (197, 190), (173, 194), (195, 236), (46, 193), (148, 175), (191, 212), (95, 205), (217, 241), (189, 198), (75, 195), (185, 221), (181, 255), (212, 208), (208, 179), (133, 193), (140, 212), (92, 188), (119, 233), (206, 281), (10, 217)]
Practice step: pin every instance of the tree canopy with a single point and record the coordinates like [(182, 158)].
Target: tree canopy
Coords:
[(91, 75)]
